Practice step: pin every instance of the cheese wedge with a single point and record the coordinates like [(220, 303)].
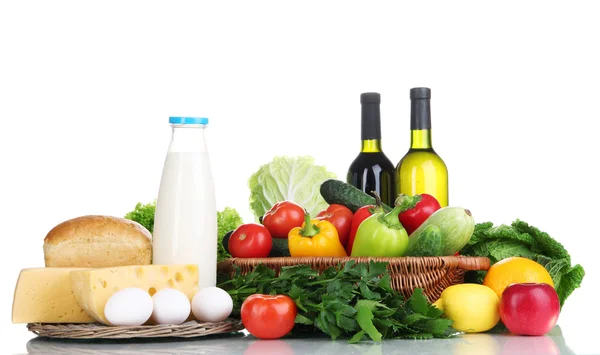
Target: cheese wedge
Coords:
[(93, 287), (44, 295)]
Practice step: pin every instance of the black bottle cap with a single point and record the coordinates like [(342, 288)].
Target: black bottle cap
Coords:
[(370, 115), (420, 108), (420, 93), (370, 98)]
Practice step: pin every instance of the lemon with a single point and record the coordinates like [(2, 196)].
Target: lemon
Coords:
[(473, 308), (515, 270)]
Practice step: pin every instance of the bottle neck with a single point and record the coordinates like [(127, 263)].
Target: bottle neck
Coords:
[(371, 146), (370, 123), (188, 138), (420, 139), (420, 123)]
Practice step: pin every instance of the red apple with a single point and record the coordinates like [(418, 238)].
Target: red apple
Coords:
[(529, 308)]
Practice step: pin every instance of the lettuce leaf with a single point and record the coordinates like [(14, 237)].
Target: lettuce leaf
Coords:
[(295, 179), (521, 239), (227, 220)]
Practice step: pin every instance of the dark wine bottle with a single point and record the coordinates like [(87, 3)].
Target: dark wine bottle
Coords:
[(372, 170)]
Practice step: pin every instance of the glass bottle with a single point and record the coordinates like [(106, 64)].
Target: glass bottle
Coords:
[(185, 225), (422, 170), (371, 170)]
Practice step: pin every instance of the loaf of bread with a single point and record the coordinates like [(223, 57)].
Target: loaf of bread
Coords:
[(98, 241)]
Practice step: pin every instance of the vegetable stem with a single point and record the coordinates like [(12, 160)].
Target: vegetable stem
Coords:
[(309, 230), (378, 203), (406, 202), (391, 218)]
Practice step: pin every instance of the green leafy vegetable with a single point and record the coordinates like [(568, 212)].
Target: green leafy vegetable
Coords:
[(353, 301), (227, 220), (521, 239), (288, 178), (143, 214)]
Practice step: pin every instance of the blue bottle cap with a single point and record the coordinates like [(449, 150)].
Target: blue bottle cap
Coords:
[(188, 120)]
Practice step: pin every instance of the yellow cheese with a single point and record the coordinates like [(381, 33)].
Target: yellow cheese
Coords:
[(44, 295), (93, 287)]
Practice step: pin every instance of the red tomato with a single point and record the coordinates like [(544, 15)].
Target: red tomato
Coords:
[(412, 218), (360, 215), (282, 217), (250, 240), (268, 316), (341, 218)]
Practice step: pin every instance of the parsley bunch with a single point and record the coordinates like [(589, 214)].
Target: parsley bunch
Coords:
[(352, 300)]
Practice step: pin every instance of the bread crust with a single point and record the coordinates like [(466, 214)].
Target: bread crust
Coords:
[(97, 241)]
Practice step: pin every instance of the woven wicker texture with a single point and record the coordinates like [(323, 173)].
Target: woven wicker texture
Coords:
[(189, 329), (432, 274)]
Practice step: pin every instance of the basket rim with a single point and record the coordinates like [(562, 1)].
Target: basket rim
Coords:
[(469, 263)]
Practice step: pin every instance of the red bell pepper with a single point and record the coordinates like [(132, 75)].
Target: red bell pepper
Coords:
[(360, 215), (415, 210)]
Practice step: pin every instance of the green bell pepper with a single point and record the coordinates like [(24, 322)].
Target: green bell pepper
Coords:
[(381, 234)]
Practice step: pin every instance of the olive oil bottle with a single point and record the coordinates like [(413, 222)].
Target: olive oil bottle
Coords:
[(422, 170), (372, 170)]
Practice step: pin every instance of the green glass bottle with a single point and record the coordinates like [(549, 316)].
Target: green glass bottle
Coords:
[(422, 170), (371, 170)]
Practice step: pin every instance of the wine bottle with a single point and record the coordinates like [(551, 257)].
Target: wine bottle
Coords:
[(422, 170), (371, 170)]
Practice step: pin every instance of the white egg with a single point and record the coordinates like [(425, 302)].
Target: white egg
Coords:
[(211, 304), (171, 306), (128, 307)]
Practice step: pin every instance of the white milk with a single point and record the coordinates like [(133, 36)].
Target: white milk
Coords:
[(185, 226)]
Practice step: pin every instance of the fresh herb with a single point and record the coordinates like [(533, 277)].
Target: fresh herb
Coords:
[(227, 220), (354, 301), (521, 239)]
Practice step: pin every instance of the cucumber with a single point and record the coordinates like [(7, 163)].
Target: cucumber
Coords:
[(225, 241), (280, 245), (430, 243), (451, 227), (341, 193)]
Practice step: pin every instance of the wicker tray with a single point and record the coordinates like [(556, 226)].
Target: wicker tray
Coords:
[(432, 274), (189, 329)]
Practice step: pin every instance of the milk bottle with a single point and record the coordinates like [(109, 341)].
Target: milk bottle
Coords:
[(185, 223)]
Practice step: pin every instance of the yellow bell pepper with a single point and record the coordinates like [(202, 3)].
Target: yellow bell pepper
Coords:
[(315, 238)]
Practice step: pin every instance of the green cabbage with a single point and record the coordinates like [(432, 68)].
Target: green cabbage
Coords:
[(521, 239), (294, 179)]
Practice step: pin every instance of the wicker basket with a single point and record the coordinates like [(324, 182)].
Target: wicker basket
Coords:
[(191, 329), (432, 274)]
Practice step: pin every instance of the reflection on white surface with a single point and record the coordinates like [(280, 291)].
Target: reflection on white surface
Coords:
[(480, 344)]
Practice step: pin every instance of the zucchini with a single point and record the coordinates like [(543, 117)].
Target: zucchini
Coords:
[(452, 227), (341, 193), (280, 245)]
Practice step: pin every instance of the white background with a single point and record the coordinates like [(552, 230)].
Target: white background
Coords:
[(86, 89)]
